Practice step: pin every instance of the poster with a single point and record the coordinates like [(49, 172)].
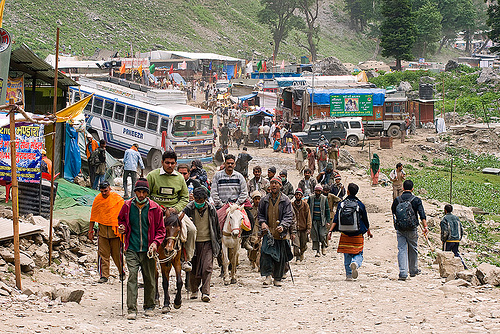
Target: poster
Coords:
[(351, 105), (29, 142), (5, 48), (15, 89)]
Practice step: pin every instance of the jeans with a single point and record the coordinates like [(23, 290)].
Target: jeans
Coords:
[(136, 260), (349, 258), (407, 252), (133, 176), (99, 178)]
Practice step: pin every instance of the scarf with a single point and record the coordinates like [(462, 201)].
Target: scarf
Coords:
[(105, 210), (375, 163)]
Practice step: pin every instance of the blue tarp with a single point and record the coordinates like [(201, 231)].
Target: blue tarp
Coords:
[(178, 78), (256, 112), (72, 160), (247, 97), (287, 82), (230, 71), (322, 96)]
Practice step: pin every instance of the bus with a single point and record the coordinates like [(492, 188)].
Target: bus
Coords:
[(123, 116)]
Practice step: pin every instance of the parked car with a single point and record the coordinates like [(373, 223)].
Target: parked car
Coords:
[(332, 129), (354, 128)]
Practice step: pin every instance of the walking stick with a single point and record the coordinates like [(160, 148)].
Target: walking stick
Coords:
[(122, 271)]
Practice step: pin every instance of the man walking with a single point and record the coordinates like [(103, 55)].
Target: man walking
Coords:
[(275, 216), (397, 177), (98, 162), (303, 218), (242, 162), (131, 159), (308, 183), (141, 223), (168, 189), (90, 146), (286, 187), (258, 182), (451, 232), (406, 209), (105, 209), (320, 213), (337, 188), (300, 157)]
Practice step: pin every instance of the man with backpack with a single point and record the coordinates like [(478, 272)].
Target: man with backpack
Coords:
[(406, 209), (351, 220), (98, 163)]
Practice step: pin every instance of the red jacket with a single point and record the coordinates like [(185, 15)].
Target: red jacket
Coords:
[(156, 231)]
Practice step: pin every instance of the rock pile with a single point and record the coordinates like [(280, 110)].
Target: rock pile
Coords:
[(331, 66)]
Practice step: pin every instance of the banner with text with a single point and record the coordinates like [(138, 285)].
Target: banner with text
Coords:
[(29, 142), (351, 105)]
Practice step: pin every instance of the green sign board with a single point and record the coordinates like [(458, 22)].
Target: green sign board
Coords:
[(351, 105)]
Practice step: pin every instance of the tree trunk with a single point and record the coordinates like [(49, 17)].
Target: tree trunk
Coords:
[(398, 64), (441, 44)]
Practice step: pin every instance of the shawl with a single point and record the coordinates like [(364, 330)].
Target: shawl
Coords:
[(375, 163), (105, 210)]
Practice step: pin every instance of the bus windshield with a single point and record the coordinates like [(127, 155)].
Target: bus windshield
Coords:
[(192, 125)]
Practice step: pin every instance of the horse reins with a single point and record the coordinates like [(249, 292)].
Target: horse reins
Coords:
[(169, 258)]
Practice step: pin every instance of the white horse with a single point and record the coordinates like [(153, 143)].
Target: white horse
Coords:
[(231, 239)]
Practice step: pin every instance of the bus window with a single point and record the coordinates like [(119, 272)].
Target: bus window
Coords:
[(184, 126), (119, 112), (130, 116), (98, 105), (141, 118), (152, 122), (204, 125), (108, 108), (88, 107), (164, 125)]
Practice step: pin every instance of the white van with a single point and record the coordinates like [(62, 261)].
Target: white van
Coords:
[(354, 128)]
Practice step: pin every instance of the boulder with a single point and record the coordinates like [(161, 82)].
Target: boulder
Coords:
[(346, 161), (330, 66), (458, 282), (467, 275), (449, 265), (68, 295), (464, 213), (27, 264), (404, 86), (451, 65), (488, 274), (487, 75), (431, 139), (41, 256), (4, 287), (7, 255), (29, 291)]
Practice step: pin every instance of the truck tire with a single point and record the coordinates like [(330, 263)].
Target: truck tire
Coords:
[(352, 140), (334, 142), (393, 131), (154, 159)]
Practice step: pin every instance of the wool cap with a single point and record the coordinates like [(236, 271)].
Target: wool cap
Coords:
[(275, 179), (142, 184)]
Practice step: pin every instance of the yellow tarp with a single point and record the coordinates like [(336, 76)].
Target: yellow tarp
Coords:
[(73, 110), (362, 77)]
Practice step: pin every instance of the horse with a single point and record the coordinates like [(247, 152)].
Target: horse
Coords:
[(231, 239), (169, 254)]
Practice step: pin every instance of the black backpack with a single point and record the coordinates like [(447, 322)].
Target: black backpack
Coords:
[(349, 216), (406, 218), (94, 159)]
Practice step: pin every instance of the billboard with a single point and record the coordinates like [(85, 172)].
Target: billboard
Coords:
[(351, 105)]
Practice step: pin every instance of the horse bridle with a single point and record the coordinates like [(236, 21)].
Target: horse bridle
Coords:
[(226, 234)]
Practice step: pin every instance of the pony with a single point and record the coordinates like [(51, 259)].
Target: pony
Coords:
[(231, 239), (169, 254)]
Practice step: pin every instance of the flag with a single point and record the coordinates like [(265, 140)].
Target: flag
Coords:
[(171, 70), (283, 64), (2, 6), (152, 68), (259, 65), (239, 72), (264, 67), (249, 68), (235, 74), (210, 66), (122, 69), (140, 70)]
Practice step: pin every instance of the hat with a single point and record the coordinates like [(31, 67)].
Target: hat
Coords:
[(299, 191), (43, 151), (284, 172), (255, 193), (329, 165), (142, 184), (89, 135), (338, 177), (104, 185), (318, 187), (272, 170), (275, 179)]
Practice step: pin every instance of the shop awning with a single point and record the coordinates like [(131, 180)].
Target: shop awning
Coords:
[(247, 97)]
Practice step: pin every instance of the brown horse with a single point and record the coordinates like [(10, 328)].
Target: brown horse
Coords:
[(169, 254)]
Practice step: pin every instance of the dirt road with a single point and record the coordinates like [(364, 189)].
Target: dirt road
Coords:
[(320, 301)]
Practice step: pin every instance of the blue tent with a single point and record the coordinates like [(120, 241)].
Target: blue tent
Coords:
[(247, 97), (256, 112), (322, 96)]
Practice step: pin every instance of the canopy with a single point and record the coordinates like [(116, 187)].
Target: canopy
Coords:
[(247, 97), (256, 112), (73, 110), (322, 96)]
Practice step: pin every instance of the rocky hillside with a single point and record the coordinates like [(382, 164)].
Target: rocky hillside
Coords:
[(221, 26)]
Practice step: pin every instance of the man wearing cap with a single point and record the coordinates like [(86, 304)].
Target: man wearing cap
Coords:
[(141, 223), (308, 183), (276, 217), (131, 159), (337, 188), (286, 187), (105, 209), (320, 214), (258, 182), (327, 175), (271, 172), (90, 146), (168, 188), (303, 218), (46, 163)]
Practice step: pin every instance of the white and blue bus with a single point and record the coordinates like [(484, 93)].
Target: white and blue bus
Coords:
[(123, 116)]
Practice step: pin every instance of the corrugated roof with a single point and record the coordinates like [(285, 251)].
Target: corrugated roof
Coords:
[(7, 229), (24, 60)]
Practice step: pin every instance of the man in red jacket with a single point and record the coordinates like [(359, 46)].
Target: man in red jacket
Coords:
[(141, 223)]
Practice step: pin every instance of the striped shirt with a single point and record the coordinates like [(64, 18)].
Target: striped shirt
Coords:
[(229, 188)]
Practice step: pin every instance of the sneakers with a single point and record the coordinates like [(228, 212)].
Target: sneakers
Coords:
[(354, 268), (348, 278), (193, 295), (205, 298), (402, 278), (186, 266), (278, 283), (415, 274), (149, 312), (102, 280), (132, 316), (267, 281)]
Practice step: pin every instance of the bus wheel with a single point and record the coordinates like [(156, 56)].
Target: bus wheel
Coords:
[(154, 159)]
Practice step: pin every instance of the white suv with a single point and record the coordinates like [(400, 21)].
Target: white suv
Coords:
[(354, 128)]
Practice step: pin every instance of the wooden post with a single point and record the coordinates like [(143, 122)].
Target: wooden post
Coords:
[(15, 192), (451, 179), (56, 74)]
